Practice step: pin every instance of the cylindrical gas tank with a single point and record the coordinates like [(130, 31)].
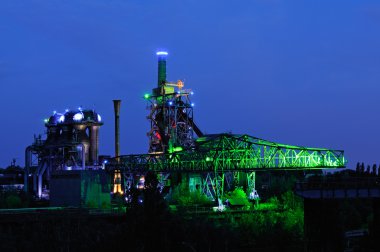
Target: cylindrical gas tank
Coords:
[(81, 136), (94, 145)]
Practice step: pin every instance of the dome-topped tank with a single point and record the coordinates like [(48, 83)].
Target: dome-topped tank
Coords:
[(74, 117), (91, 116), (73, 127), (79, 116), (69, 116), (55, 119)]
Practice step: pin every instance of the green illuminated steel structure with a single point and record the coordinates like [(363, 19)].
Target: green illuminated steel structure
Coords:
[(227, 152), (173, 147), (216, 155)]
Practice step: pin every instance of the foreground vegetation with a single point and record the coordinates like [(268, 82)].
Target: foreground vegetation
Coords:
[(150, 226), (276, 223)]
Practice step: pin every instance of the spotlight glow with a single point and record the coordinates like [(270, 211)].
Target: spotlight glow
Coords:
[(162, 53), (99, 118), (78, 117), (61, 119)]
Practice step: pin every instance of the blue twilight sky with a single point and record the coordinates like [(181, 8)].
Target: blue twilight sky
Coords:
[(295, 72)]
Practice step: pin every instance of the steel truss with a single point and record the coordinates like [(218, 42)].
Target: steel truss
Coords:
[(131, 179), (227, 152), (219, 154)]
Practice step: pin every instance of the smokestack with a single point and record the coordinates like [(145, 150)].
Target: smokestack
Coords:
[(161, 67), (116, 105)]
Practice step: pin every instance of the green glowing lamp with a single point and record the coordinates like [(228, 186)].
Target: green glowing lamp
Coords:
[(176, 149), (146, 96)]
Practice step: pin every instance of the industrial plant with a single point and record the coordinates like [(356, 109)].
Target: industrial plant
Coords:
[(66, 167), (251, 185), (56, 167)]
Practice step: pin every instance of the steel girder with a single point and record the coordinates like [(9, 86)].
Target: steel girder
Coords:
[(227, 152)]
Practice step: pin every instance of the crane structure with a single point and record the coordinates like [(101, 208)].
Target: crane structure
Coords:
[(235, 153), (213, 160)]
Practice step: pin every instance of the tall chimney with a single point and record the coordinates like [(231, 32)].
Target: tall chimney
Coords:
[(161, 67), (116, 105)]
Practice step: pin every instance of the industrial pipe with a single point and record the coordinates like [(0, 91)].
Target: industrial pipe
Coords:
[(116, 105), (28, 159)]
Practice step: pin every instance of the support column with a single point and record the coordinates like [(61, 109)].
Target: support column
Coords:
[(207, 186), (129, 181), (39, 191), (230, 180), (213, 185), (219, 185), (251, 185), (251, 181), (40, 179), (236, 178), (27, 167), (163, 180)]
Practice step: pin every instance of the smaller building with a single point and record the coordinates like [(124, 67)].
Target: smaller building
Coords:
[(80, 188)]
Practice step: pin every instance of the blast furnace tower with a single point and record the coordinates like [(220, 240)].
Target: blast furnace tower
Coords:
[(171, 114)]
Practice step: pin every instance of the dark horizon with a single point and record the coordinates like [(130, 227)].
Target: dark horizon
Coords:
[(296, 73)]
